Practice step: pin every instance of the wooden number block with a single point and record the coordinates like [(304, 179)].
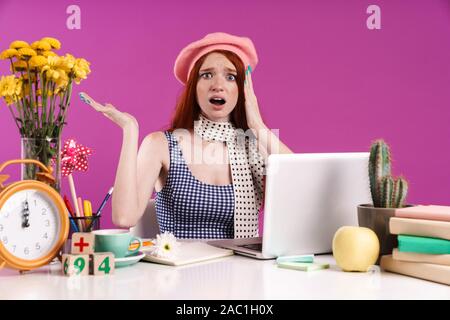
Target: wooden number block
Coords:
[(75, 264), (103, 263), (83, 243)]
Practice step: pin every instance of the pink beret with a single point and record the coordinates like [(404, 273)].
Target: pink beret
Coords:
[(241, 46)]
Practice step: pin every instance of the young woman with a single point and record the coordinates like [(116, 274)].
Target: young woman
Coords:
[(207, 169)]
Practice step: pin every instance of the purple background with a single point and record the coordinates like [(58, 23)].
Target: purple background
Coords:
[(324, 79)]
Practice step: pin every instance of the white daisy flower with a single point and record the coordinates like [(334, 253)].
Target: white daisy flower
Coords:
[(165, 245)]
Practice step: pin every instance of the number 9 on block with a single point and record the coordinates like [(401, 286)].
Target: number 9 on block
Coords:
[(75, 264)]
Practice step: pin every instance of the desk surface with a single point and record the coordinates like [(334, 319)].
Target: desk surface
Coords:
[(234, 277)]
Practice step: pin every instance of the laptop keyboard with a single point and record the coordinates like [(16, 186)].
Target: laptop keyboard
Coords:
[(253, 246)]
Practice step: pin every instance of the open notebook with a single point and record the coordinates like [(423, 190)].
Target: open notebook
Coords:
[(191, 252)]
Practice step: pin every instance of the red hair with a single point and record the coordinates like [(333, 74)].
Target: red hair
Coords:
[(187, 109)]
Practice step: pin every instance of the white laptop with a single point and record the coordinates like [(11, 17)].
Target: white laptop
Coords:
[(307, 198)]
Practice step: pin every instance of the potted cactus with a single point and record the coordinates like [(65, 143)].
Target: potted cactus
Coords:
[(388, 193)]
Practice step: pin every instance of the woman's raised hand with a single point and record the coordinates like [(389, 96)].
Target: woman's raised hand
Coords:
[(254, 119), (122, 119)]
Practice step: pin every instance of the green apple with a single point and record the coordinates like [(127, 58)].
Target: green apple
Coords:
[(355, 248)]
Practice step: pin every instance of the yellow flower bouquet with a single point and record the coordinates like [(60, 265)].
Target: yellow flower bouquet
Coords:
[(38, 94)]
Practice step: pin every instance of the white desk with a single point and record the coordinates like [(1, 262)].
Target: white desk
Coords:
[(233, 277)]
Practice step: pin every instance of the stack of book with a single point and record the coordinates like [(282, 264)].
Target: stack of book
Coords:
[(423, 243)]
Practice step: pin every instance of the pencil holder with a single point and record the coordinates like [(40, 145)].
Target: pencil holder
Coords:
[(81, 224), (84, 224)]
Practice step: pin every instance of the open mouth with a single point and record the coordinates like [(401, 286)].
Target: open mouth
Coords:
[(217, 101)]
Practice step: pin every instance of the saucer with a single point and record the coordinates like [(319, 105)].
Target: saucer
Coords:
[(127, 261)]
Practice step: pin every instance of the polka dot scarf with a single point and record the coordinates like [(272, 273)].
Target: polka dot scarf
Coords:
[(247, 170)]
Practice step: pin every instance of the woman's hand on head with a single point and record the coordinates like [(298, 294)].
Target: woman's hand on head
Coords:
[(254, 119), (122, 119)]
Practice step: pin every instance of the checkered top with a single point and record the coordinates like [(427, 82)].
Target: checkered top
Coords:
[(190, 208)]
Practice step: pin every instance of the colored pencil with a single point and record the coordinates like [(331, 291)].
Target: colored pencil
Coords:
[(108, 195), (80, 206), (69, 206), (74, 199)]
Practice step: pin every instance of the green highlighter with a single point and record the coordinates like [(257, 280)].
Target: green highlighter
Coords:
[(303, 266)]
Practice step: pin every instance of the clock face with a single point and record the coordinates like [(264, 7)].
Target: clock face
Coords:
[(29, 224)]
